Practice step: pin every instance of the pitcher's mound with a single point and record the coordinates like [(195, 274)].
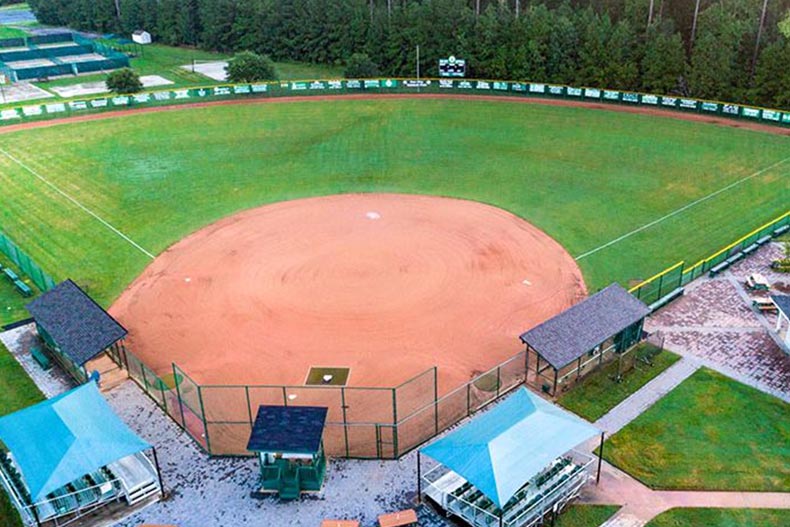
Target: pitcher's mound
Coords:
[(385, 285)]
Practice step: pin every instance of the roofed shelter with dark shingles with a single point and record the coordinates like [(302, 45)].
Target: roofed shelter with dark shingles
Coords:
[(612, 313), (288, 429), (288, 441), (74, 325)]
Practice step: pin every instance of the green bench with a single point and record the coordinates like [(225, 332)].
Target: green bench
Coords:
[(10, 274), (23, 288), (41, 358)]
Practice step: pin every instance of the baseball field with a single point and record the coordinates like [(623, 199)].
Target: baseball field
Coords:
[(625, 194)]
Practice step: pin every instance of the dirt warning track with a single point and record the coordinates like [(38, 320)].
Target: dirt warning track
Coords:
[(387, 285)]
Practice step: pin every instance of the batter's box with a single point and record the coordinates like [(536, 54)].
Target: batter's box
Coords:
[(320, 376)]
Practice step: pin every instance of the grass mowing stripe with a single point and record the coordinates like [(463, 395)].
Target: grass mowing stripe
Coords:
[(682, 209), (78, 204)]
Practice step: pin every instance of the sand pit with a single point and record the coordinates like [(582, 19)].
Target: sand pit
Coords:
[(386, 285)]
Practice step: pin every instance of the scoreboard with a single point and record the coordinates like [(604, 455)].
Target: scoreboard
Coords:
[(452, 67)]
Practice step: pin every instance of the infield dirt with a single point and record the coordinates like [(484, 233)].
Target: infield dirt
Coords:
[(387, 285)]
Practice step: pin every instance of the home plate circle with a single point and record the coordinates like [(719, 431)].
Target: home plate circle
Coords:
[(373, 215)]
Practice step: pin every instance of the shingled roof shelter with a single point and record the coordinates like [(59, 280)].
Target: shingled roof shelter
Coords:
[(576, 341), (782, 303), (74, 327), (289, 444)]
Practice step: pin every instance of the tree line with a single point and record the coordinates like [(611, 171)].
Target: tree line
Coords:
[(733, 50)]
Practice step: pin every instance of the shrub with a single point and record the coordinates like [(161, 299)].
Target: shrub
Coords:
[(360, 66), (124, 80), (250, 67)]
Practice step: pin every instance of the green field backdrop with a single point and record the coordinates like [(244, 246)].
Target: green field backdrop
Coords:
[(584, 176)]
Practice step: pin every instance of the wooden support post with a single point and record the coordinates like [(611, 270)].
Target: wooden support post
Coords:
[(554, 390), (158, 473), (600, 460), (419, 479)]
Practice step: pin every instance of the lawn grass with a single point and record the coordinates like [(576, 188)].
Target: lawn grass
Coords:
[(11, 32), (12, 304), (586, 515), (599, 392), (17, 391), (167, 61), (709, 433), (722, 518), (584, 176)]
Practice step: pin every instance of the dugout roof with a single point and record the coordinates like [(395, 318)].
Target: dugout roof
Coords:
[(288, 429), (782, 303), (577, 330), (77, 324), (64, 438), (500, 451)]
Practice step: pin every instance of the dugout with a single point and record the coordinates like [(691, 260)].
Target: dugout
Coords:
[(74, 328), (513, 466), (566, 347), (289, 444), (71, 456)]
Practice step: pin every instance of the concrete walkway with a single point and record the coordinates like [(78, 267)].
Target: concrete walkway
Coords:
[(640, 504)]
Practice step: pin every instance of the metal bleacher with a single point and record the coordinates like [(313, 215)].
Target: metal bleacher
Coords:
[(555, 486)]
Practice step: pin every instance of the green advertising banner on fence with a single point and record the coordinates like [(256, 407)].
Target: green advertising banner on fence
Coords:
[(347, 86)]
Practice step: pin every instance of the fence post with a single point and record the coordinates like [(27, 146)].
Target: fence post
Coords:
[(249, 404), (162, 391), (178, 395), (203, 416), (345, 423), (436, 398)]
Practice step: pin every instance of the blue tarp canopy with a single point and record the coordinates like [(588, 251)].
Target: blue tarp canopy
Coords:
[(500, 451), (64, 438)]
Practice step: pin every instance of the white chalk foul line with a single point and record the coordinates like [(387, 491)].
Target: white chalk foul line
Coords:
[(78, 204), (682, 209)]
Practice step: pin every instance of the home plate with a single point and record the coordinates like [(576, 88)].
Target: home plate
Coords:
[(526, 282), (372, 215)]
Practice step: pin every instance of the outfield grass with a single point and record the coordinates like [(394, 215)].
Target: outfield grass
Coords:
[(586, 177), (598, 392), (17, 391), (709, 433), (586, 515), (722, 518)]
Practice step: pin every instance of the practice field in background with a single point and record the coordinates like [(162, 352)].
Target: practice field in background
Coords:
[(586, 177)]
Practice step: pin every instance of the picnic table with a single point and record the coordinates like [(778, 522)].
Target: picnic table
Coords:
[(398, 519), (757, 282)]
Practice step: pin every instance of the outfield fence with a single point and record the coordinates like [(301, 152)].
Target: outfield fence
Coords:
[(517, 89), (25, 263), (657, 290)]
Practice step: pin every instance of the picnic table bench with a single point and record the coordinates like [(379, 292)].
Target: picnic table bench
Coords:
[(398, 519), (764, 305), (340, 523), (40, 358), (23, 288)]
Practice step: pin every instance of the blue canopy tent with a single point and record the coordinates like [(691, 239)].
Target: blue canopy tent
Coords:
[(62, 439), (503, 449)]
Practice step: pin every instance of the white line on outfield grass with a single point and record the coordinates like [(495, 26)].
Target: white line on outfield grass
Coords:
[(78, 204), (682, 209)]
